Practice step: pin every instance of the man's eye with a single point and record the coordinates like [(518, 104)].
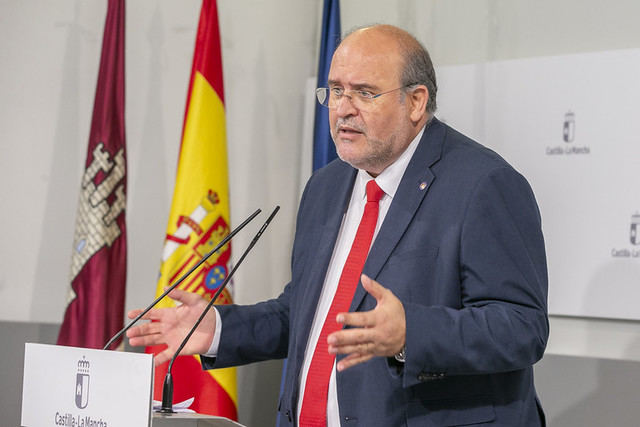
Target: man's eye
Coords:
[(365, 94), (336, 91)]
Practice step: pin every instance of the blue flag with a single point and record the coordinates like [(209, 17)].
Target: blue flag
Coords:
[(324, 150)]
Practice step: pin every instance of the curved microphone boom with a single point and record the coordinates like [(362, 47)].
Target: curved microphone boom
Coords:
[(184, 276), (167, 389)]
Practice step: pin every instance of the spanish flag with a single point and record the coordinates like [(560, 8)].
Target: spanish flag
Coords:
[(199, 218)]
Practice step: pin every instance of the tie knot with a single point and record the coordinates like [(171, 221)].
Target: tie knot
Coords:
[(374, 193)]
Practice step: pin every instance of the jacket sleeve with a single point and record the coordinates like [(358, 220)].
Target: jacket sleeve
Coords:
[(253, 333), (502, 322)]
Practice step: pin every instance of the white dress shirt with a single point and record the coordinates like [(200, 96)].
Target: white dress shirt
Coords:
[(388, 181)]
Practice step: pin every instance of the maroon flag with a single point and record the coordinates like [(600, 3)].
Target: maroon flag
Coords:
[(95, 309)]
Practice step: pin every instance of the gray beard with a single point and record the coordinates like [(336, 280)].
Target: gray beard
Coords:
[(378, 159)]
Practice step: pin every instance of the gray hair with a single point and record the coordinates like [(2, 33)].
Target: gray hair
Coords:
[(418, 70)]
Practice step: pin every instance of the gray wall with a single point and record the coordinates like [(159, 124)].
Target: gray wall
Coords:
[(585, 391), (13, 336), (49, 52)]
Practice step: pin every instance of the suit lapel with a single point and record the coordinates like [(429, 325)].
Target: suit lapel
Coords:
[(336, 197), (413, 187)]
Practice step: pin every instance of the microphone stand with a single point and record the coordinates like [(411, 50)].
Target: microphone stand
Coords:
[(167, 388), (181, 279)]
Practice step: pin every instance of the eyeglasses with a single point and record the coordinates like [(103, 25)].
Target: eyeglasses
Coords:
[(361, 99)]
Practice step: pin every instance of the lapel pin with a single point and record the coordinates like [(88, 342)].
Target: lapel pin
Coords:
[(423, 185)]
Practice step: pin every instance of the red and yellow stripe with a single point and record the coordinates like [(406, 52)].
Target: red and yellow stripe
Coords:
[(199, 216)]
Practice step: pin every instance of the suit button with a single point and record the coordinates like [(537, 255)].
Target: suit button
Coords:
[(423, 376), (288, 414)]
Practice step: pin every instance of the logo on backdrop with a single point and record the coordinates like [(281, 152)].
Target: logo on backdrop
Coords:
[(568, 136), (82, 383), (634, 233), (569, 127), (632, 251)]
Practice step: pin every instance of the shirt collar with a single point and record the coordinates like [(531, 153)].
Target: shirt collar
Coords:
[(389, 179)]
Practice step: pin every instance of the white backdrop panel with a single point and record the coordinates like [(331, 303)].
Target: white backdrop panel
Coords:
[(570, 125)]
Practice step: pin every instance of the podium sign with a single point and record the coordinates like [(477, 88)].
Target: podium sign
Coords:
[(79, 387)]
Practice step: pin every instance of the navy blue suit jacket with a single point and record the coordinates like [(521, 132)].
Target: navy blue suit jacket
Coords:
[(462, 248)]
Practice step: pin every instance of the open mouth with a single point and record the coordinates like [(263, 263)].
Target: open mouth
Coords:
[(348, 131)]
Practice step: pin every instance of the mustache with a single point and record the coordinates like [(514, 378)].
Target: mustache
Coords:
[(345, 121)]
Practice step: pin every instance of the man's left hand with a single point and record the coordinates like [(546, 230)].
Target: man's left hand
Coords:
[(379, 332)]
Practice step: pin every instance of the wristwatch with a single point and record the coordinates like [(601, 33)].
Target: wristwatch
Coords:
[(401, 356)]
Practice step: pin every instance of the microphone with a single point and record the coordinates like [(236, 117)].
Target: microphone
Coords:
[(181, 279), (167, 388)]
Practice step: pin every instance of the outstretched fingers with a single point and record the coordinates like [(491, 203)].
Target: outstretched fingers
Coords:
[(184, 297), (146, 334), (163, 357), (352, 360)]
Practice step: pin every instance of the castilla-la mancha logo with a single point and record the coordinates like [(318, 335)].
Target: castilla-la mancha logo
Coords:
[(569, 127), (634, 233), (82, 383), (568, 136), (634, 238)]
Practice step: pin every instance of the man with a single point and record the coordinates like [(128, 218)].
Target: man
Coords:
[(449, 315)]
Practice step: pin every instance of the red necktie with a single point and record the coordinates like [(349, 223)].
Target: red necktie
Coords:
[(314, 403)]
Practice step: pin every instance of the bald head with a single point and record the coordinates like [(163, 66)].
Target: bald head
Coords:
[(415, 66)]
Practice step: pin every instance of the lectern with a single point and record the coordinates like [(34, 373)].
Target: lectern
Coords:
[(79, 387)]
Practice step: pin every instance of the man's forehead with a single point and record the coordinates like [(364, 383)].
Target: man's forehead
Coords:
[(360, 76), (364, 64), (367, 45)]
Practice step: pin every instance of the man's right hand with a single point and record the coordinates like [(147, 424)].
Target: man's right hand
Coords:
[(172, 324)]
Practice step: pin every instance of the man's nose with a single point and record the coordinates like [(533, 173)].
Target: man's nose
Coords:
[(345, 107)]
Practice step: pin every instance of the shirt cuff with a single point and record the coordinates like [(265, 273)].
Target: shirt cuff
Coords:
[(213, 350)]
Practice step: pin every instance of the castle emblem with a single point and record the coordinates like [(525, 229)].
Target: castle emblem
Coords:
[(96, 224)]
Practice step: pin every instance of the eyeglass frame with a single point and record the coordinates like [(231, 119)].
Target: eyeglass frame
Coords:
[(365, 98)]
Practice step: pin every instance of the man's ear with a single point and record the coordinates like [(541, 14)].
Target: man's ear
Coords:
[(418, 98)]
